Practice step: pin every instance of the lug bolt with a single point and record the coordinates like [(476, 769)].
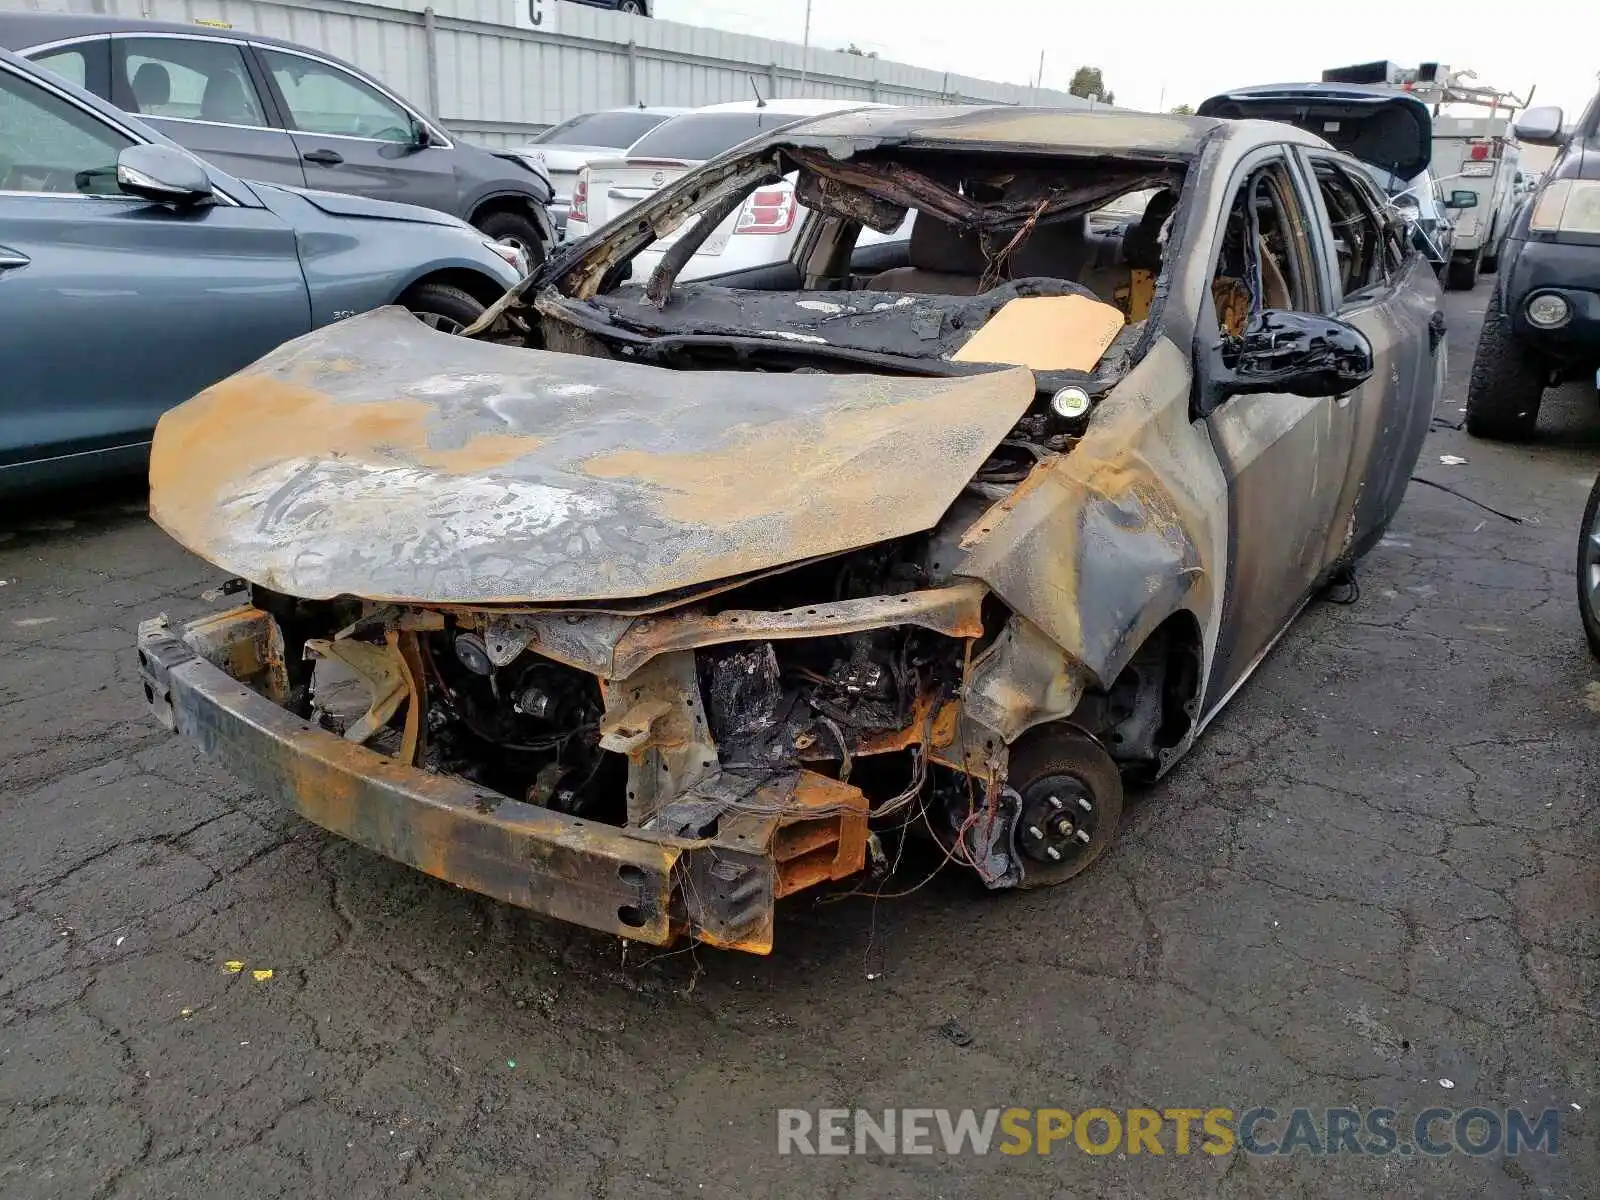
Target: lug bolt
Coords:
[(1033, 832), (1083, 836), (1083, 803), (1054, 853), (1055, 803)]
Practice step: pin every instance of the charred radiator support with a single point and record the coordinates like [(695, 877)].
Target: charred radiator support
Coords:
[(655, 717)]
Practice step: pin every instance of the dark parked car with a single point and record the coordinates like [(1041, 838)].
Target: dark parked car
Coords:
[(950, 535), (261, 108), (132, 275), (1541, 326)]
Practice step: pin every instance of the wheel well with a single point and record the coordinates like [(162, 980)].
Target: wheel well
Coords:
[(499, 204), (1152, 706), (481, 288)]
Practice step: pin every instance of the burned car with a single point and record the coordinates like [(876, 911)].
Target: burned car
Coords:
[(651, 604)]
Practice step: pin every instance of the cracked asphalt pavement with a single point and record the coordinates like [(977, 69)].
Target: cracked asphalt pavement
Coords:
[(1376, 872)]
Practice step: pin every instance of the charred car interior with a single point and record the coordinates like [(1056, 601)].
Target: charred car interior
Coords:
[(652, 603)]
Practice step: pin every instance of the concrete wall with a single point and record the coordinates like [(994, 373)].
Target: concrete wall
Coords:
[(500, 70)]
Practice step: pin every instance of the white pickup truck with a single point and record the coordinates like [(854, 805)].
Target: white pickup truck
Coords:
[(1474, 151), (1477, 154)]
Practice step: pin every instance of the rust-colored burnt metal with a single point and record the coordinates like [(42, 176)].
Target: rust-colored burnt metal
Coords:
[(383, 670), (1023, 680), (576, 870), (437, 469), (240, 641), (956, 610), (816, 849), (614, 646), (414, 731), (1004, 127), (812, 829), (1097, 547), (1029, 194), (932, 724), (656, 718)]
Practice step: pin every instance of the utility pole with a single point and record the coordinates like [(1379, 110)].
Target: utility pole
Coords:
[(1038, 81), (805, 50)]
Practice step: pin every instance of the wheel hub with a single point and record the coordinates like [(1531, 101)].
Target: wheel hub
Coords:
[(1057, 821)]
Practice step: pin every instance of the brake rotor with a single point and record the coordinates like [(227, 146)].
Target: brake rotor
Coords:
[(1057, 821)]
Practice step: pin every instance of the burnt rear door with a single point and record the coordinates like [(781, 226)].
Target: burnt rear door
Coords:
[(1389, 292), (1285, 458)]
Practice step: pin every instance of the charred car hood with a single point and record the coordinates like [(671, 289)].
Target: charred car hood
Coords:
[(379, 458), (1385, 128)]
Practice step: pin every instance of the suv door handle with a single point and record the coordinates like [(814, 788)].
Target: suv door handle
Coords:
[(11, 259), (323, 158)]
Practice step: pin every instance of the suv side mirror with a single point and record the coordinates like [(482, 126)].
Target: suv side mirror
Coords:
[(1541, 126), (1302, 354), (164, 174), (1462, 198)]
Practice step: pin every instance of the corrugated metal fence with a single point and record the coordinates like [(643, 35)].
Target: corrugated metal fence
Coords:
[(488, 71)]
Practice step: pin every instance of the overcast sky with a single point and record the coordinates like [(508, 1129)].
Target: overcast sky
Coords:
[(1167, 52)]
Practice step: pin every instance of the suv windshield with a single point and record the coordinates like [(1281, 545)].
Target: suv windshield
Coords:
[(698, 137), (615, 129)]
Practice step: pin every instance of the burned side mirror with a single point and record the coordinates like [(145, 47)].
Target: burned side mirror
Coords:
[(1300, 354)]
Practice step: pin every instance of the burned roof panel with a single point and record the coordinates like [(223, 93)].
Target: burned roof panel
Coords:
[(1055, 129)]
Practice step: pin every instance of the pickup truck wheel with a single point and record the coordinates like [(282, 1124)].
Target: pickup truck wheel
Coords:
[(515, 228), (1507, 382), (1071, 794), (442, 307), (1589, 569), (1462, 273)]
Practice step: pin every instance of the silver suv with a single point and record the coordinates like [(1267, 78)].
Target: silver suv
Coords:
[(261, 108)]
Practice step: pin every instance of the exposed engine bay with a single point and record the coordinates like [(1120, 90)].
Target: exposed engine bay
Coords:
[(846, 698)]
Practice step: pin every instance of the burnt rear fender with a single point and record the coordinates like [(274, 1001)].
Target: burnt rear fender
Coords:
[(1101, 545)]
